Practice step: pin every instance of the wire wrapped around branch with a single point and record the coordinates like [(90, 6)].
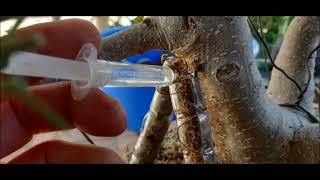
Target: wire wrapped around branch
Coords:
[(187, 120), (183, 105)]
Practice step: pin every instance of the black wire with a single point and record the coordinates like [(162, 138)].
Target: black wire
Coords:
[(313, 119), (300, 97), (271, 59), (265, 58), (302, 92), (87, 137), (179, 139)]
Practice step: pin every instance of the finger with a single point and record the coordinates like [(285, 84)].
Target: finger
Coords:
[(59, 152), (62, 38), (97, 114)]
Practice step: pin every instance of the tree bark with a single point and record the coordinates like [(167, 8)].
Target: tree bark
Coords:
[(186, 113), (301, 38), (136, 39), (247, 126), (156, 125)]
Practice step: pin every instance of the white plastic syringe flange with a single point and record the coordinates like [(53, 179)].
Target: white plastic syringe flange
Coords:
[(79, 89)]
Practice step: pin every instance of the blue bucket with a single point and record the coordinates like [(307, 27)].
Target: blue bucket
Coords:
[(135, 100)]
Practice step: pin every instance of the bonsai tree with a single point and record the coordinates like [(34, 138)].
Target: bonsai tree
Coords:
[(249, 124)]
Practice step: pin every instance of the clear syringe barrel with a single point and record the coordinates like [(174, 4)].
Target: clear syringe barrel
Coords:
[(133, 75), (88, 71), (107, 73)]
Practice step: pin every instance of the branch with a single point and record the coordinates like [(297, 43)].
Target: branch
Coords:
[(300, 40), (183, 104), (247, 126), (136, 39), (156, 126)]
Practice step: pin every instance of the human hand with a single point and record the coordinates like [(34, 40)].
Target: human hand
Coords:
[(97, 114)]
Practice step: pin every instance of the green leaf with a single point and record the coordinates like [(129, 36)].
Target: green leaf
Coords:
[(18, 86), (139, 19)]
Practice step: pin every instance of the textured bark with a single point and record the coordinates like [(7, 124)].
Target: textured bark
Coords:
[(301, 38), (187, 119), (155, 128), (170, 150), (135, 40), (203, 118), (247, 126)]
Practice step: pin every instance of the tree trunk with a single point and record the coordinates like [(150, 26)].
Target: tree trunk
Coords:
[(247, 125)]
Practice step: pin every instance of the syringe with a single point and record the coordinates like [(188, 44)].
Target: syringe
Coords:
[(88, 71)]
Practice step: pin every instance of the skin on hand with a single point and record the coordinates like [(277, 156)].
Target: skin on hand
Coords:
[(97, 114)]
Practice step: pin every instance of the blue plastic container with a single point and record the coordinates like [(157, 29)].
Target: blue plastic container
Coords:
[(135, 100)]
